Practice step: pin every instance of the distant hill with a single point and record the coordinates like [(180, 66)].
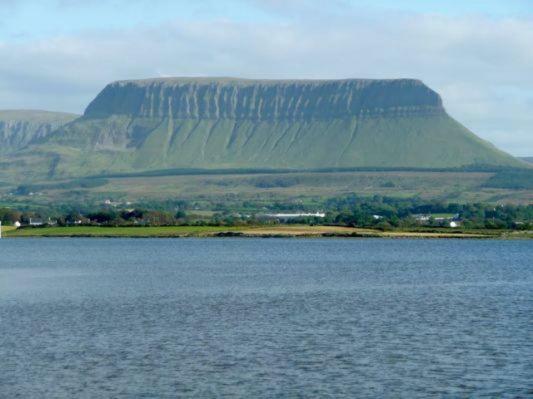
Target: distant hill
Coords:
[(19, 128), (218, 123), (527, 159), (519, 179)]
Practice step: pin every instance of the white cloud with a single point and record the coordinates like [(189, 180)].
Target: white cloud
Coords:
[(482, 66)]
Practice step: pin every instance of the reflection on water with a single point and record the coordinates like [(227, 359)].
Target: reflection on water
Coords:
[(265, 318)]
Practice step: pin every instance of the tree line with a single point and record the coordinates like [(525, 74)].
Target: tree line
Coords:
[(349, 210)]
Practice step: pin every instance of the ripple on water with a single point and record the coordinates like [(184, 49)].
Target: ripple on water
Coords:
[(265, 318)]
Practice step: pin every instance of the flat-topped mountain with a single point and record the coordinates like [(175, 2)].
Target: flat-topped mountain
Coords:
[(226, 98), (216, 123), (19, 128)]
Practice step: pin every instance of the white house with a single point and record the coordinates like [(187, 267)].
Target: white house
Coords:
[(36, 222), (421, 217), (295, 215)]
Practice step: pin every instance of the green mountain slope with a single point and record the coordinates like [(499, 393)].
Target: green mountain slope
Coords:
[(234, 123), (19, 128)]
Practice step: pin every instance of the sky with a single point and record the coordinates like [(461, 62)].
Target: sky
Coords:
[(58, 54)]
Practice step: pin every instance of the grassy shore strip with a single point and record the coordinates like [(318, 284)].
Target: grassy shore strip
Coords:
[(248, 231), (337, 231), (96, 231), (6, 229)]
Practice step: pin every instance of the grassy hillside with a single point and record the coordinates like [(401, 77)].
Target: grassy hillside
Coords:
[(213, 123), (207, 190), (513, 179), (126, 144), (155, 125)]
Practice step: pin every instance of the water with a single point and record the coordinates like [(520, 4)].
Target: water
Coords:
[(98, 318)]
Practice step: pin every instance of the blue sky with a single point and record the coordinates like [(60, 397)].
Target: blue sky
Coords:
[(26, 19), (57, 54)]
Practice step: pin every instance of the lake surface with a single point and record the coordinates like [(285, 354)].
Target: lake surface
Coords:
[(165, 318)]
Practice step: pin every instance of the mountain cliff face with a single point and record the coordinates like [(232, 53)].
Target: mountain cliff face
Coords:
[(234, 123), (19, 128), (264, 99)]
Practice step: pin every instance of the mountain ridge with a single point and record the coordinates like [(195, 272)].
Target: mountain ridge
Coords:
[(20, 128), (226, 123), (213, 98)]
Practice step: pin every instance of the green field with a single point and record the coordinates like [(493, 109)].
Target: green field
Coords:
[(7, 229), (256, 231), (96, 231), (301, 187)]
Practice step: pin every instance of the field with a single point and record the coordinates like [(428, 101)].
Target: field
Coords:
[(6, 229), (297, 187), (96, 231), (252, 231)]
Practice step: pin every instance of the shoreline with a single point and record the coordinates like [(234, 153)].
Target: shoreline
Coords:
[(282, 231)]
